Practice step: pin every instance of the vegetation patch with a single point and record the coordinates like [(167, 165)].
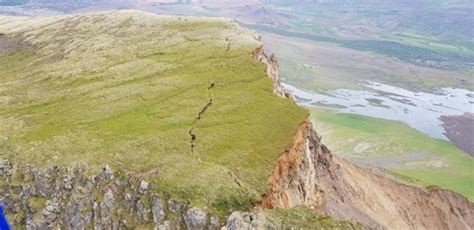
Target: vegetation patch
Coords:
[(302, 217), (420, 55), (124, 89), (394, 145)]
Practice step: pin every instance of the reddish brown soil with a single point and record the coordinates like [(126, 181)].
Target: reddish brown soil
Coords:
[(308, 174)]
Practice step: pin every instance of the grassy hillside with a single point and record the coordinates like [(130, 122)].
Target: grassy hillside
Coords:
[(396, 146), (176, 100), (302, 217)]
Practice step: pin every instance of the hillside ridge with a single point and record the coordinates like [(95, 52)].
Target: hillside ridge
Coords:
[(132, 158)]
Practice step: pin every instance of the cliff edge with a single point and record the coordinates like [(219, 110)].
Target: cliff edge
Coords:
[(128, 119)]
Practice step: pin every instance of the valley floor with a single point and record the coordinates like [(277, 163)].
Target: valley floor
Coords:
[(411, 155)]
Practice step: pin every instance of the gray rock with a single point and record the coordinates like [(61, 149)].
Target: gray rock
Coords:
[(41, 182), (108, 173), (105, 216), (236, 221), (72, 216), (214, 223), (142, 211), (109, 199), (157, 210), (32, 225), (128, 200), (68, 182), (174, 206), (96, 216), (51, 212), (6, 168), (195, 219), (9, 203), (88, 218), (165, 226), (259, 221), (77, 223), (116, 225), (144, 186), (88, 184)]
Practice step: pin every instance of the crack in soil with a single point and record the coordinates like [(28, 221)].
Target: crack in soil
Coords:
[(193, 138), (236, 180), (200, 115), (204, 110)]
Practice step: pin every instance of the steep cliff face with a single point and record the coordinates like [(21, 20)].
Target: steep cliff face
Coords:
[(294, 178), (308, 174), (64, 197), (272, 71)]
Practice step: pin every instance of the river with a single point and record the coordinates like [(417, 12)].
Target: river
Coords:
[(419, 110)]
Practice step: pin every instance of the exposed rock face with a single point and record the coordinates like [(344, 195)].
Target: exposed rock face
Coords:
[(309, 174), (273, 71), (294, 178), (238, 220), (65, 197), (157, 210), (195, 219)]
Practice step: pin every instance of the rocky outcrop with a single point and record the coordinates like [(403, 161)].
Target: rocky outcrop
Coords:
[(66, 197), (308, 174), (294, 178), (272, 71), (248, 220)]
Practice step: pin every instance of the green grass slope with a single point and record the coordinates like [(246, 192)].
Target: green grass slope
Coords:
[(396, 146), (126, 89), (302, 217)]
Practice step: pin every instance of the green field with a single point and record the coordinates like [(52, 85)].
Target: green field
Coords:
[(425, 55), (394, 145), (430, 43), (130, 90)]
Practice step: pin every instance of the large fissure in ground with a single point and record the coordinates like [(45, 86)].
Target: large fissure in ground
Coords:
[(200, 116)]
